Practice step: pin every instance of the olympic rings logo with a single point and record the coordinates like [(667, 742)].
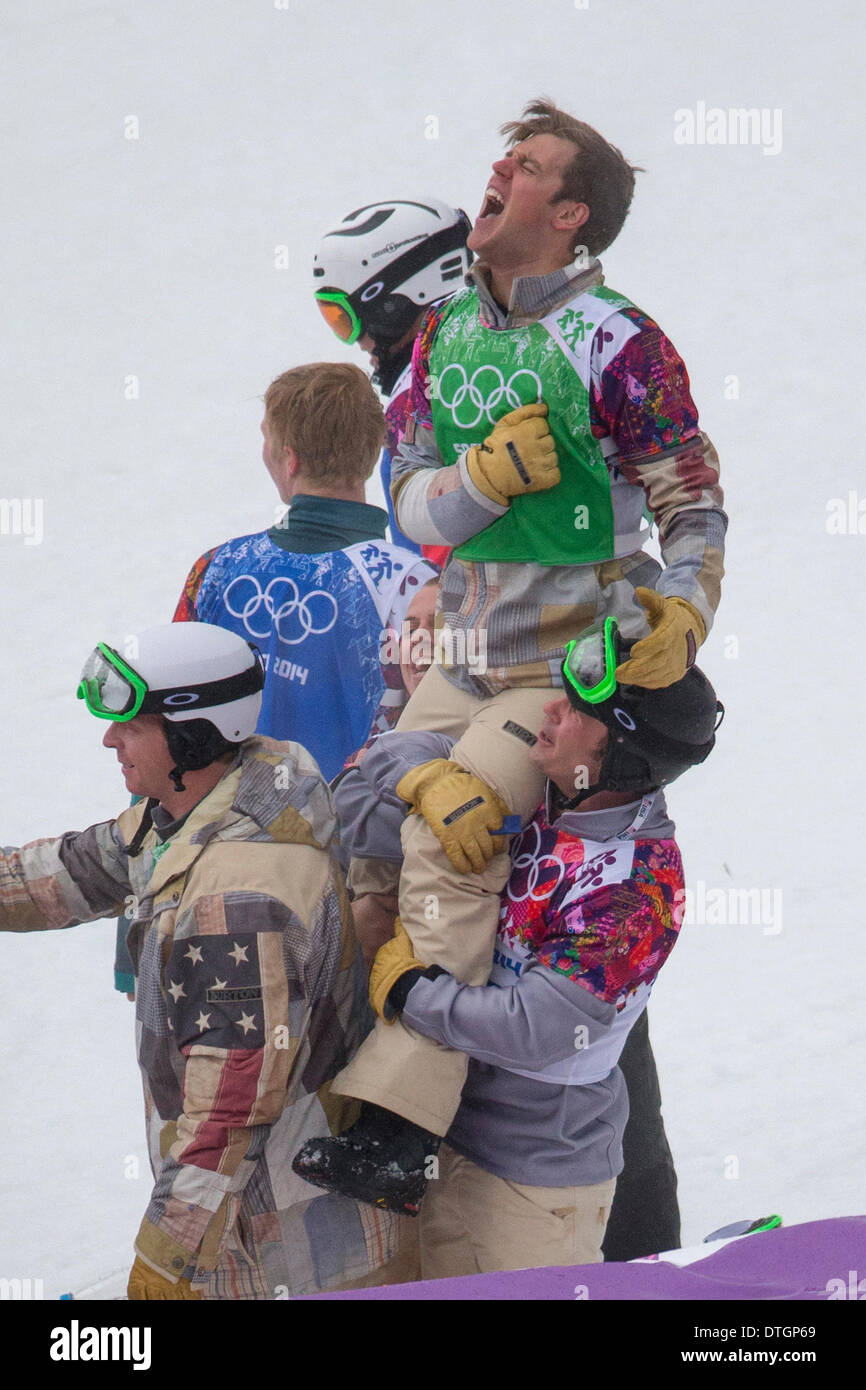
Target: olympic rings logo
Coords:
[(314, 614), (530, 860), (479, 403)]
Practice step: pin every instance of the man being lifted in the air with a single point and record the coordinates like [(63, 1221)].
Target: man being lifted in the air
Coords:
[(549, 413)]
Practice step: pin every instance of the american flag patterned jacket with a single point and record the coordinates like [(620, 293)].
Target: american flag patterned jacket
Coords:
[(251, 996)]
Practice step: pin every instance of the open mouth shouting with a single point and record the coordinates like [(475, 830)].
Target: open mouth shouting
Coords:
[(492, 205)]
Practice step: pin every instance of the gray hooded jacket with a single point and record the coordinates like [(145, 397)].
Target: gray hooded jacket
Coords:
[(566, 1129)]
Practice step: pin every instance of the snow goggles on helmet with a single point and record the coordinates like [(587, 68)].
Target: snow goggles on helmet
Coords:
[(386, 320), (377, 306), (337, 311), (591, 661), (111, 689)]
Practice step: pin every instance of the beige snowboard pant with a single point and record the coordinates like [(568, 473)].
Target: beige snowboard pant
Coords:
[(451, 918), (473, 1222)]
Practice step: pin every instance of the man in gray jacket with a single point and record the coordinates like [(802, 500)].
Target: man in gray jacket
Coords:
[(589, 914)]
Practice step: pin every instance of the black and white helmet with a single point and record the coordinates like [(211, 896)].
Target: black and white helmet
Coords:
[(204, 681), (386, 261)]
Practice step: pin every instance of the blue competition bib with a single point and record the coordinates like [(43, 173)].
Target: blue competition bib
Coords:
[(318, 621)]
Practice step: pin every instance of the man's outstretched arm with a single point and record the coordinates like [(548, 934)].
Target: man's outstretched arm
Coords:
[(53, 883)]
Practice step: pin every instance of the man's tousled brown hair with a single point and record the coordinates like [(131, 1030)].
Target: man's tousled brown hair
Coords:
[(329, 414), (598, 175)]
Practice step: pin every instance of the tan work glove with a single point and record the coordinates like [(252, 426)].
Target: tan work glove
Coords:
[(519, 456), (392, 960), (665, 656), (145, 1285), (459, 808)]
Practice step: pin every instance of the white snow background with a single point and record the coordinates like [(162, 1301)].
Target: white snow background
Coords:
[(260, 124)]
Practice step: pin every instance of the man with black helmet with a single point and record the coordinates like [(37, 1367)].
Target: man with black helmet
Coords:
[(591, 909)]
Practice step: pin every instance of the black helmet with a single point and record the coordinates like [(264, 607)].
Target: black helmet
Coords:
[(653, 735)]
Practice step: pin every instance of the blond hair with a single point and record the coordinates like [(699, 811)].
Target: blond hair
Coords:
[(329, 414)]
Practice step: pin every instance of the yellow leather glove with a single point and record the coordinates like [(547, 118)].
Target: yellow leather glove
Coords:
[(519, 456), (459, 808), (145, 1285), (392, 960), (665, 656)]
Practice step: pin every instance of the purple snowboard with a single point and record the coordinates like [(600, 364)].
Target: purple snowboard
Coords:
[(818, 1260)]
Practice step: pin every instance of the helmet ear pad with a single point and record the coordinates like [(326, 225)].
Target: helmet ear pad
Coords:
[(390, 319), (623, 769), (193, 744)]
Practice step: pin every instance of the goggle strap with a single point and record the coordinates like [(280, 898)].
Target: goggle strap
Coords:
[(207, 694), (417, 258)]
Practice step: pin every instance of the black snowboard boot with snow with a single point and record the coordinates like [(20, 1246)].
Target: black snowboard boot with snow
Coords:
[(383, 1159)]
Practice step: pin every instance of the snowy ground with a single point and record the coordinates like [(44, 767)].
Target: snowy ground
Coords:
[(145, 314)]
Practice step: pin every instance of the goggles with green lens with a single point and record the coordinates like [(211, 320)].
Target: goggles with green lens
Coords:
[(591, 661), (109, 687), (339, 314)]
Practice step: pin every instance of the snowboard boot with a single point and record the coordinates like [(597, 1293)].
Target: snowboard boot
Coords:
[(383, 1159)]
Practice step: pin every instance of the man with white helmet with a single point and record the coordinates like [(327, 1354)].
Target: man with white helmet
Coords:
[(247, 970), (376, 274)]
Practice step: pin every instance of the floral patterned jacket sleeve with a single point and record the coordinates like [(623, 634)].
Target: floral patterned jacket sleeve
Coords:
[(558, 949), (185, 612)]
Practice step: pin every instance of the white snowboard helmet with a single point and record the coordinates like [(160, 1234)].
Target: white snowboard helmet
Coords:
[(385, 262), (205, 681)]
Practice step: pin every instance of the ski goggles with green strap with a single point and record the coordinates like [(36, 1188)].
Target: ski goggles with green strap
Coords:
[(111, 689), (591, 661), (340, 315), (381, 298)]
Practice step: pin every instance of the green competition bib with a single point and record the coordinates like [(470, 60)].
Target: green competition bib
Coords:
[(478, 374)]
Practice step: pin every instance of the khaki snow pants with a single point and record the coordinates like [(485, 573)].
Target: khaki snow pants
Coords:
[(451, 918), (473, 1222)]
